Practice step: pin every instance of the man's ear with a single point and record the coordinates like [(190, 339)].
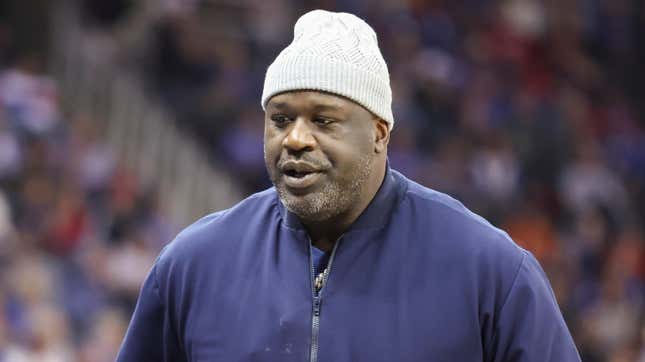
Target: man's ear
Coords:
[(381, 135)]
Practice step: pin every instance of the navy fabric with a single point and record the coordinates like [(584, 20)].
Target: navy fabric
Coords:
[(319, 258), (417, 277)]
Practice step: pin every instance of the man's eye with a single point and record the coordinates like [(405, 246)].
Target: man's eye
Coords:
[(280, 120), (323, 121)]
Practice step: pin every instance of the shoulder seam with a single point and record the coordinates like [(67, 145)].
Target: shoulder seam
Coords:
[(464, 212), (157, 290), (156, 284), (506, 297), (215, 216)]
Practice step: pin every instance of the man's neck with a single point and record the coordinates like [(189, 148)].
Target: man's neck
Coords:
[(324, 234)]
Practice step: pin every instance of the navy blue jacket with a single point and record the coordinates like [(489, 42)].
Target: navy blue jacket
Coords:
[(417, 277)]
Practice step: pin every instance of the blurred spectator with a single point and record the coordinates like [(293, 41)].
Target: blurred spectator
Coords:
[(105, 337), (29, 97), (586, 182)]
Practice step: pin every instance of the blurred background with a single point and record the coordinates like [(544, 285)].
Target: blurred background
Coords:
[(121, 121)]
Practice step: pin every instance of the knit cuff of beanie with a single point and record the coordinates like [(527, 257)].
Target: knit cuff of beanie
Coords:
[(328, 75)]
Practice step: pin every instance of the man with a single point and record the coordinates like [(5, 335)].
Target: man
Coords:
[(344, 259)]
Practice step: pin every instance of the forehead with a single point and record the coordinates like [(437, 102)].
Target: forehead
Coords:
[(308, 100)]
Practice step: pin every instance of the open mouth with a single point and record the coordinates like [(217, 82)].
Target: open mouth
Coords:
[(297, 174), (301, 180)]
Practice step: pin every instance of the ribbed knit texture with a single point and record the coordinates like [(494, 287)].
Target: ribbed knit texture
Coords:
[(336, 53)]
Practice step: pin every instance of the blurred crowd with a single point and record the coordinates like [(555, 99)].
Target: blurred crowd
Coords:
[(530, 112), (77, 232)]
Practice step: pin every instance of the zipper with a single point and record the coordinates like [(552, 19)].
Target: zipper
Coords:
[(317, 285)]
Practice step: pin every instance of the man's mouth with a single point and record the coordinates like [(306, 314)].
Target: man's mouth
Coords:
[(297, 174), (300, 175), (301, 180)]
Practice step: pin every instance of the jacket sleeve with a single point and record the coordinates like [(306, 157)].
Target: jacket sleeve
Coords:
[(530, 327), (150, 336)]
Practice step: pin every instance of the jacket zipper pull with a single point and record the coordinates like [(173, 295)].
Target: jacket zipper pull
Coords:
[(319, 281)]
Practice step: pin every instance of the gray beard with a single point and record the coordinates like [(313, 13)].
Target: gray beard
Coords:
[(332, 199)]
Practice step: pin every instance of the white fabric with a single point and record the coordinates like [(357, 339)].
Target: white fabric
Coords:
[(336, 53)]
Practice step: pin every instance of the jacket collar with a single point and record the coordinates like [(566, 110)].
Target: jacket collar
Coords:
[(375, 215)]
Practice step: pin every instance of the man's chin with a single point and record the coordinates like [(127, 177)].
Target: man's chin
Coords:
[(309, 206)]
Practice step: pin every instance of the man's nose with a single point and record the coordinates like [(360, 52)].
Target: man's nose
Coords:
[(299, 137)]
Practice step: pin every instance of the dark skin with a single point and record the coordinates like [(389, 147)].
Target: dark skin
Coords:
[(326, 138)]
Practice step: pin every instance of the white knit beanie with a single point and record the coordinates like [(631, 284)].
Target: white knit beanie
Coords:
[(336, 53)]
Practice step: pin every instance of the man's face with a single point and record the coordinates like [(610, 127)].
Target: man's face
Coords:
[(319, 150)]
